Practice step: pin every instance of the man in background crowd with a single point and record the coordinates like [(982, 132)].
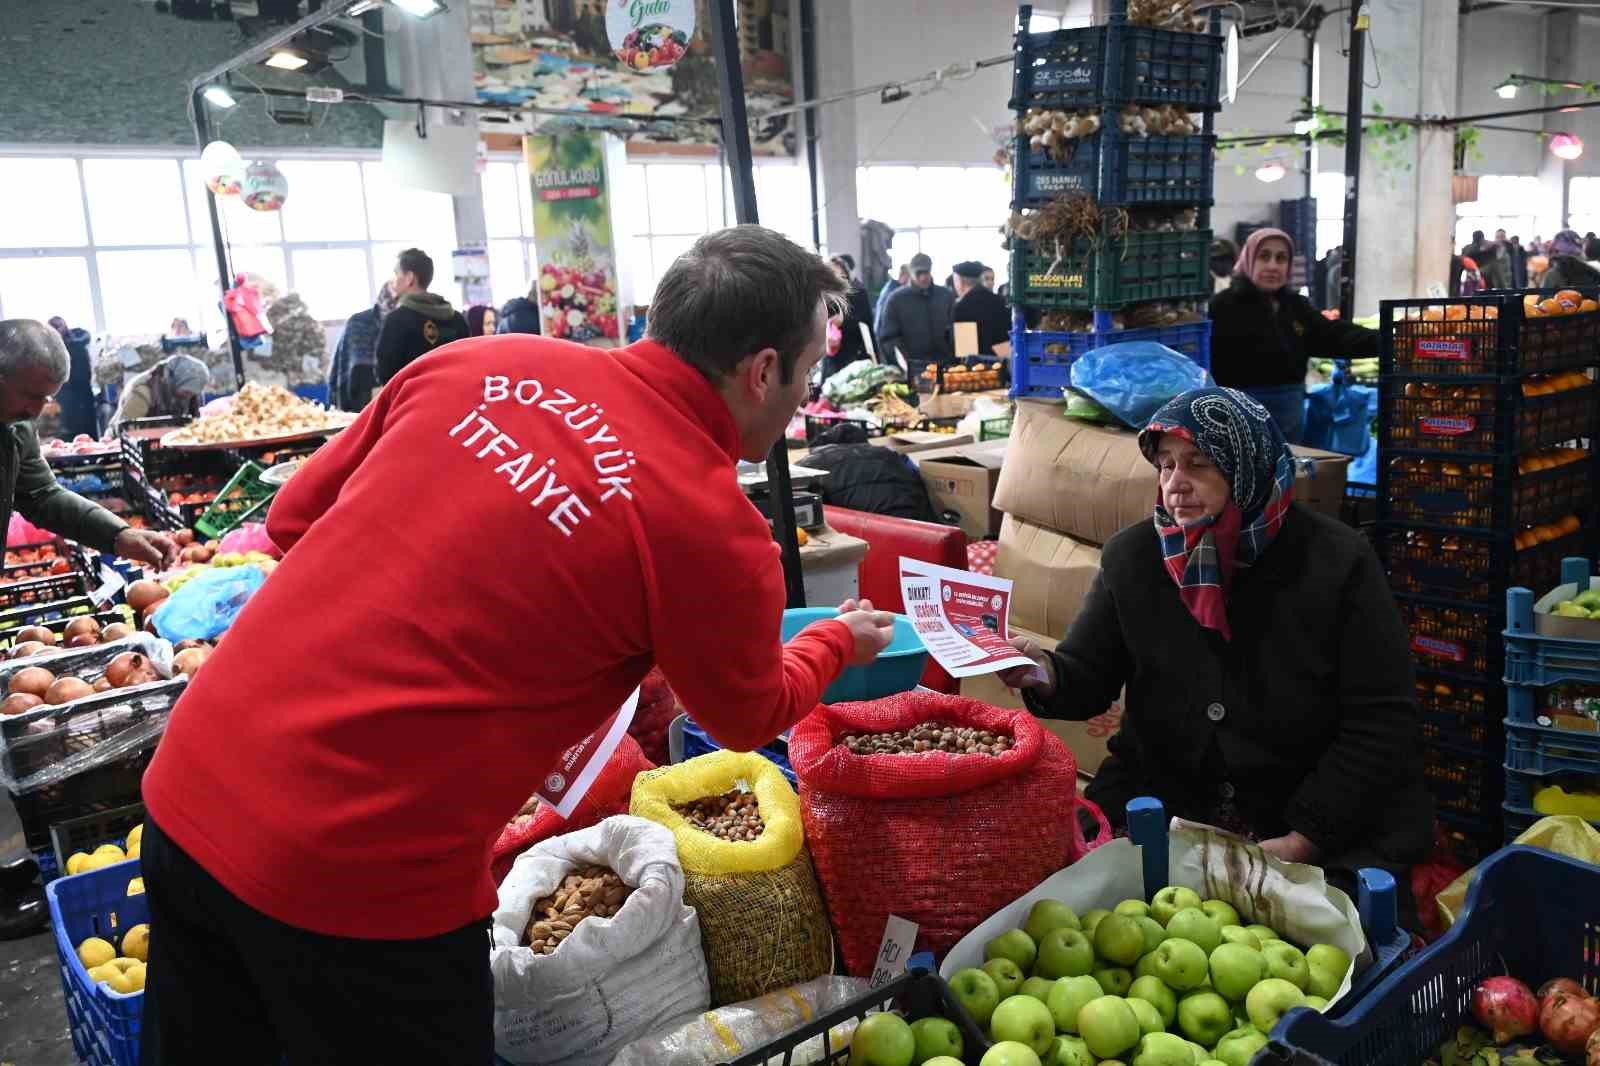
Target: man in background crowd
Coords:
[(1491, 259), (917, 319), (902, 279), (520, 314), (353, 374), (421, 322), (978, 304)]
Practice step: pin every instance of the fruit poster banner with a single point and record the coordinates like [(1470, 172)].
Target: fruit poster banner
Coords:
[(961, 617), (570, 175), (580, 764)]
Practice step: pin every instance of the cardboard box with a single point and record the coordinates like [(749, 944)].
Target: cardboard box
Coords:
[(963, 480), (830, 567), (920, 441), (1323, 490), (1051, 573)]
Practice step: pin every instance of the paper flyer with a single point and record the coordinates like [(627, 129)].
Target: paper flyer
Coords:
[(961, 617), (580, 764)]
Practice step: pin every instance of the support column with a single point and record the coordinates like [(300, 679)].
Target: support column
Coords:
[(1406, 216), (836, 150), (1560, 61)]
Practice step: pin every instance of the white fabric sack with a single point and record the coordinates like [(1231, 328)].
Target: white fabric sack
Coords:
[(1293, 898), (614, 979)]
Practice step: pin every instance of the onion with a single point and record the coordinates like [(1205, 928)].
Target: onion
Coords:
[(44, 636), (1567, 1020), (1506, 1007), (26, 648), (34, 680), (80, 625), (118, 670), (66, 689), (189, 660), (115, 631), (144, 592), (18, 702)]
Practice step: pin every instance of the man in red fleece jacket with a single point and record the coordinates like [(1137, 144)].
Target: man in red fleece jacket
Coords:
[(476, 574)]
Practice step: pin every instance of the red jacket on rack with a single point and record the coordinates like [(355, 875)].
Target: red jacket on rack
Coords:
[(476, 574)]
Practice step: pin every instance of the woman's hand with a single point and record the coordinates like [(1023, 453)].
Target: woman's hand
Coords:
[(1292, 847), (1040, 678)]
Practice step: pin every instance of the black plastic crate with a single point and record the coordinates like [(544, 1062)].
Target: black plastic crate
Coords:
[(1114, 63), (1481, 417), (30, 614), (8, 637), (1466, 780), (1117, 168), (43, 590), (1487, 334), (103, 788), (1454, 637), (1111, 272), (1477, 567), (89, 831), (1460, 711), (1507, 492)]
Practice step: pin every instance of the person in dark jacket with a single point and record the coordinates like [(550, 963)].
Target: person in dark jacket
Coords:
[(353, 373), (857, 313), (1572, 262), (899, 281), (1263, 332), (481, 319), (916, 319), (1269, 687), (76, 397), (519, 315), (976, 303), (1493, 263), (421, 322)]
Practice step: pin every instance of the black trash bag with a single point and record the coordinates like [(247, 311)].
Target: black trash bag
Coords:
[(868, 478)]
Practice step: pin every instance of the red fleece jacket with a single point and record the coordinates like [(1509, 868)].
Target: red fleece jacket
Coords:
[(477, 573)]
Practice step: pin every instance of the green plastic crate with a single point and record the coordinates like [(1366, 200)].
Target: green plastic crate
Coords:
[(1130, 269), (227, 511), (994, 428)]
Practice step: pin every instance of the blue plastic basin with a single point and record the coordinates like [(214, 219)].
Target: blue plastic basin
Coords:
[(898, 669)]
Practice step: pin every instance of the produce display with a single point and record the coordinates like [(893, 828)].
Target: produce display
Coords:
[(34, 554), (1558, 1024), (259, 412), (587, 892), (734, 815), (652, 45), (82, 444), (120, 967), (109, 855), (1585, 604), (1177, 981), (21, 572), (974, 378), (1053, 132), (928, 736)]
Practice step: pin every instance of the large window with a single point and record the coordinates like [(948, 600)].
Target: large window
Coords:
[(950, 214), (1513, 203), (1328, 188), (123, 245), (1583, 206)]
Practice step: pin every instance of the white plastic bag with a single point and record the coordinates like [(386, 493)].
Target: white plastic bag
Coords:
[(614, 979)]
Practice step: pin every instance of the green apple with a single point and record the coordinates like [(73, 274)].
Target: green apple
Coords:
[(936, 1037), (1024, 1020), (1241, 1017), (1569, 609), (1316, 1003), (1163, 1049), (1090, 919), (1238, 934), (1235, 969), (1588, 599), (1271, 1000), (1181, 964), (1171, 900), (944, 1060), (1264, 933), (1239, 1046), (1015, 945), (1109, 1026), (1068, 1051), (1064, 953), (977, 992), (1200, 1053), (1067, 998), (1204, 1017), (1285, 961), (882, 1040), (1146, 966), (1149, 1018), (1202, 1062), (1327, 966), (1119, 939), (1221, 911), (1114, 980), (1007, 977), (1132, 908), (1194, 924), (1010, 1053), (1048, 914), (1154, 991), (1037, 987), (1153, 933)]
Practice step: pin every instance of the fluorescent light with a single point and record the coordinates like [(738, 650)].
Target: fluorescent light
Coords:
[(217, 96), (1507, 90), (419, 8), (286, 59), (361, 7), (1270, 173)]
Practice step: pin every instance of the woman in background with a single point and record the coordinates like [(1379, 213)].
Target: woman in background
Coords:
[(480, 320), (171, 388)]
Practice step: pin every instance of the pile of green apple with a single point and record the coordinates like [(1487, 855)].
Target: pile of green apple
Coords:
[(1175, 982), (1585, 604)]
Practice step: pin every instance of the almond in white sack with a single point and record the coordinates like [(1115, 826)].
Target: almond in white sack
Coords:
[(612, 979)]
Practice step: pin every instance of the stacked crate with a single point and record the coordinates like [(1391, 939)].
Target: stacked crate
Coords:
[(1153, 191), (1486, 475)]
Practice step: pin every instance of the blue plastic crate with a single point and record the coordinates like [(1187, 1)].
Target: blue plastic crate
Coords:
[(1041, 362), (1529, 913), (1118, 169), (1538, 749), (1113, 64), (1532, 659), (697, 741), (104, 1024), (1519, 820), (1523, 786)]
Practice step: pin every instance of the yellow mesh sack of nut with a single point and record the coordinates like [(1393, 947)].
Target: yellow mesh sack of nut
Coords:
[(746, 870)]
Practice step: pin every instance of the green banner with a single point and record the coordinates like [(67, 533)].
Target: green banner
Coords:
[(570, 182)]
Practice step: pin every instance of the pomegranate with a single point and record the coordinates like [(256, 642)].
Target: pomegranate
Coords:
[(1592, 1049), (101, 684), (115, 631), (66, 689), (18, 702), (1567, 1020), (1560, 984), (144, 593), (81, 625), (82, 640), (26, 648), (34, 680), (189, 660), (183, 538), (185, 645), (41, 634), (1506, 1007), (124, 666)]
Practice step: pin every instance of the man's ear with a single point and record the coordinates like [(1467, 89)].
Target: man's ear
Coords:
[(764, 370)]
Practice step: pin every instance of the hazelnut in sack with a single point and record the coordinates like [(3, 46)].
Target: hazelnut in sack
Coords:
[(746, 871), (935, 808)]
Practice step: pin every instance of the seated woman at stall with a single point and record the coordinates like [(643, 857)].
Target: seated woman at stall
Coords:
[(172, 387), (1266, 668)]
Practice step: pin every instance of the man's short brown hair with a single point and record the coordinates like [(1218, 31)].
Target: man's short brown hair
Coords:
[(738, 291)]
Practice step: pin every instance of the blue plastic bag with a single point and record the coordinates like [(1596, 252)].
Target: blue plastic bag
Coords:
[(205, 607), (1133, 379), (1339, 416)]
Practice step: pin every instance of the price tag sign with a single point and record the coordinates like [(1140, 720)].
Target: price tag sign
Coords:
[(899, 938)]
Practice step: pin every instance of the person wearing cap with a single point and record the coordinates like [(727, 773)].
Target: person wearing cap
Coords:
[(171, 387), (917, 319), (978, 304)]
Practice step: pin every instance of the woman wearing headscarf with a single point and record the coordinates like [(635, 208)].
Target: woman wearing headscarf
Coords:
[(170, 388), (1266, 668), (1263, 332), (1573, 262)]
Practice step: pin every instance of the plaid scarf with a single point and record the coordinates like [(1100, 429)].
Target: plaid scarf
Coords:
[(1238, 435)]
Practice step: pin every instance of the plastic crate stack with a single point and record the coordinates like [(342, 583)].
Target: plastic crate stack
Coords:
[(171, 488), (1153, 190), (1486, 480)]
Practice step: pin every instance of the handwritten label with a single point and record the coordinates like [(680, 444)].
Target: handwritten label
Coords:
[(899, 938)]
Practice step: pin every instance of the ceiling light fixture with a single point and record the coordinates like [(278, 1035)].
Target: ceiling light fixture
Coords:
[(286, 59), (1270, 173), (217, 96), (419, 8), (1566, 146), (1506, 90)]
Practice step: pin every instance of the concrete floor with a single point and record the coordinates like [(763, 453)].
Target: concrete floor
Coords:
[(33, 1020)]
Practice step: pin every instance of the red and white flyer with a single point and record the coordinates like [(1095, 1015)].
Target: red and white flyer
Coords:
[(961, 617), (580, 764)]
